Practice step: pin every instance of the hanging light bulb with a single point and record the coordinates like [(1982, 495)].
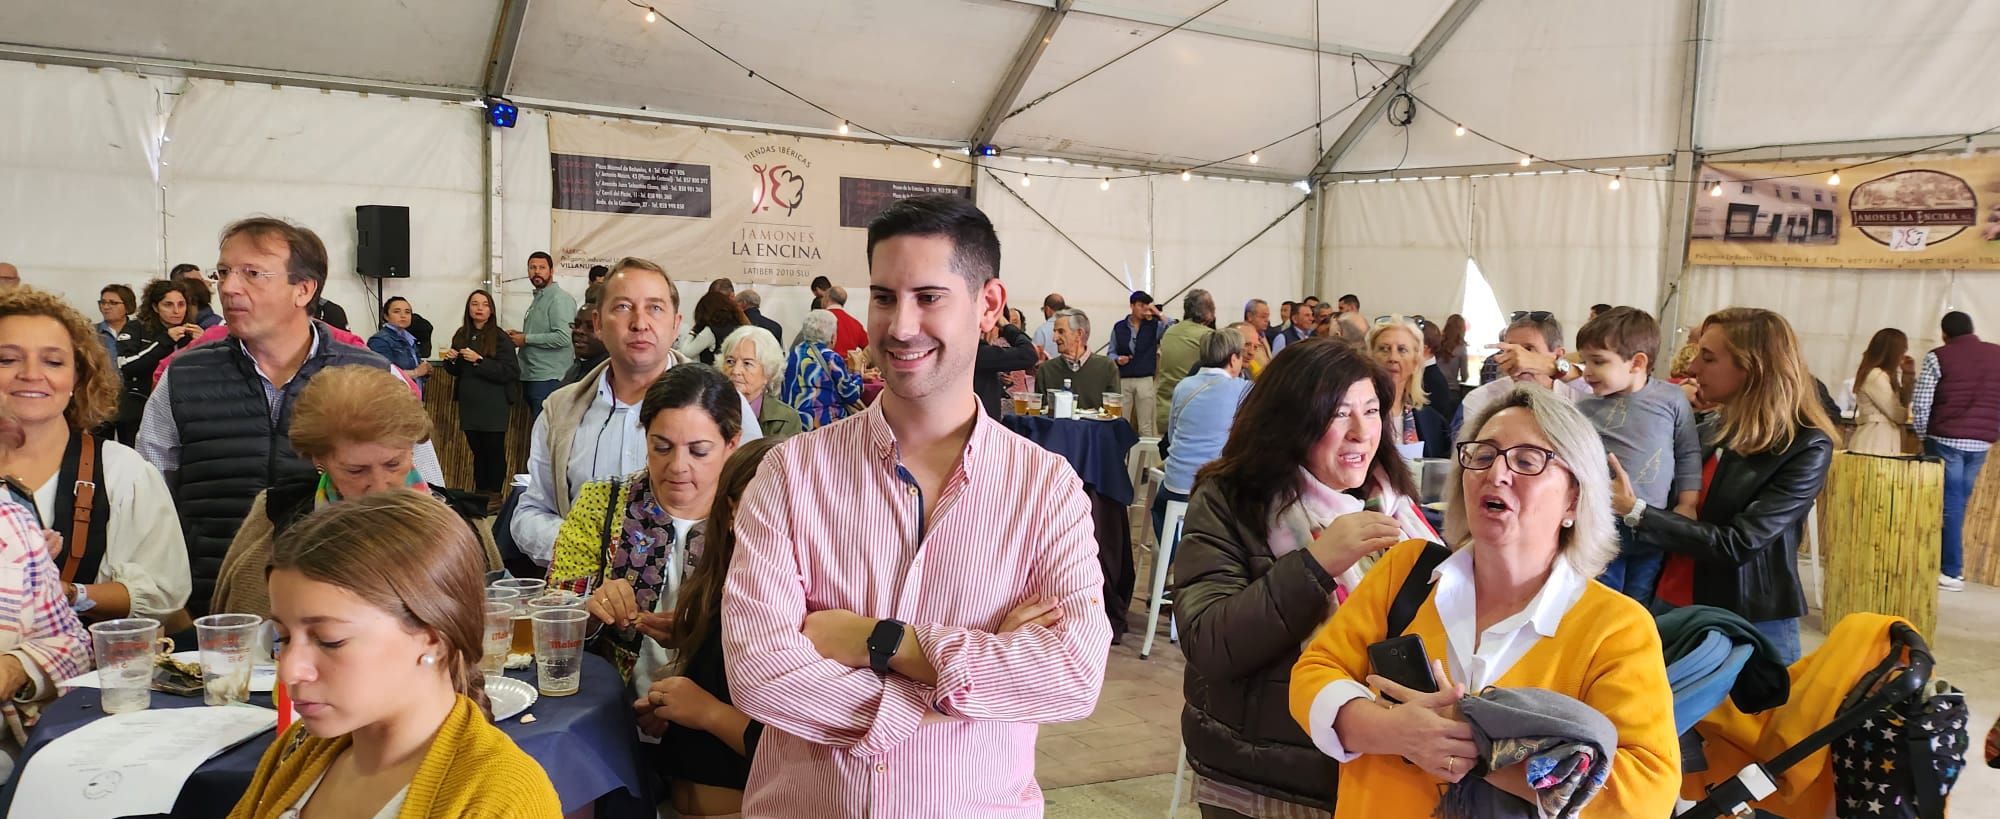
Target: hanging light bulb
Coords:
[(1615, 184), (1459, 131), (937, 161), (1253, 157), (1025, 181), (1104, 184), (1715, 190), (843, 127), (1526, 161), (1186, 175), (652, 16), (1834, 180)]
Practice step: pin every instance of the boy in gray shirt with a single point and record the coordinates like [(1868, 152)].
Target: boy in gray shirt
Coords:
[(1648, 427)]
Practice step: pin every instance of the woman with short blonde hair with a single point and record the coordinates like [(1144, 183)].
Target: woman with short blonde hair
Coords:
[(359, 426), (1418, 430)]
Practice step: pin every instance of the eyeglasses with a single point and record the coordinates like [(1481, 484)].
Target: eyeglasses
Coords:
[(1536, 315), (110, 303), (257, 276), (1523, 459)]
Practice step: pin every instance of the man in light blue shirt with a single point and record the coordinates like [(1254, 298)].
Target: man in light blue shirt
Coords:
[(1198, 421), (1045, 335), (544, 335)]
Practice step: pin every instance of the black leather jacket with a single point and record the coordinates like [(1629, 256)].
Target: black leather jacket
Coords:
[(1746, 543)]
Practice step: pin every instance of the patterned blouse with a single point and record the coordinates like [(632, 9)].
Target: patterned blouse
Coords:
[(36, 623), (818, 384)]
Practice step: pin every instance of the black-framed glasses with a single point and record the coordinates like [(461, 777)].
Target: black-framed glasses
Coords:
[(1523, 459), (1537, 315)]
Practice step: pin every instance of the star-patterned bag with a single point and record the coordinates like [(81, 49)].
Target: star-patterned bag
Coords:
[(1903, 761)]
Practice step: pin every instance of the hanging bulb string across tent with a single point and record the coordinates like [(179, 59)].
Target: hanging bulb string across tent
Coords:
[(845, 124)]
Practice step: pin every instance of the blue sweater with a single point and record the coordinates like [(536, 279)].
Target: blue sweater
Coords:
[(1198, 423)]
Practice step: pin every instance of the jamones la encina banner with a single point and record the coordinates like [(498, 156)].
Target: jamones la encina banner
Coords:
[(1928, 214)]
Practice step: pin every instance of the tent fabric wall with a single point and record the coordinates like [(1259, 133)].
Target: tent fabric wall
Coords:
[(1562, 242), (1399, 246), (1199, 222), (1836, 311), (311, 157), (79, 191)]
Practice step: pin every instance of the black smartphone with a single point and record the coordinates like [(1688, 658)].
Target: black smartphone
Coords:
[(1403, 660)]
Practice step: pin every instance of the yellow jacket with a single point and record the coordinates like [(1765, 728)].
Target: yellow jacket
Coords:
[(1819, 682), (472, 770), (1606, 653)]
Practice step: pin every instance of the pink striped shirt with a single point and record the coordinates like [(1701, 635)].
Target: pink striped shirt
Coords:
[(832, 523)]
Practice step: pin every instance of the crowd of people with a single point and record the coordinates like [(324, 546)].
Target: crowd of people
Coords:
[(893, 654)]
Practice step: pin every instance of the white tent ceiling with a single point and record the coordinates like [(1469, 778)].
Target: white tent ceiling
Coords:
[(1571, 79)]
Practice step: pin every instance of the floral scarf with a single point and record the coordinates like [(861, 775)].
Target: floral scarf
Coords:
[(1295, 526), (644, 553)]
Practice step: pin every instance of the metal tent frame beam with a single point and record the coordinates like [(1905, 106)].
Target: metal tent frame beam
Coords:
[(160, 67), (1032, 49), (1433, 42), (506, 41)]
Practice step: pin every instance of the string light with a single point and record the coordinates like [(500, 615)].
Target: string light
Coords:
[(1527, 160), (843, 127), (1615, 183), (1253, 157), (1025, 181), (1834, 180), (1186, 175), (1459, 131), (1104, 184), (652, 16), (1716, 190), (937, 161)]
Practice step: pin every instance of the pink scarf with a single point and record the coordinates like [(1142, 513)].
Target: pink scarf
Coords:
[(1295, 526)]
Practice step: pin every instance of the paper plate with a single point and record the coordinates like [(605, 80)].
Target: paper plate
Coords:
[(508, 696)]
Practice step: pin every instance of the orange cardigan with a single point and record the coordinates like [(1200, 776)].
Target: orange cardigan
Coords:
[(1606, 653)]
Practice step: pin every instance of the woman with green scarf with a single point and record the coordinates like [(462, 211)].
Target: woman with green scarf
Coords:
[(358, 425)]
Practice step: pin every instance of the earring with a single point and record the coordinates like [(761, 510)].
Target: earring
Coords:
[(1568, 522), (428, 660)]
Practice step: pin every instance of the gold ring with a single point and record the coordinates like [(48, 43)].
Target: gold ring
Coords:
[(1451, 765)]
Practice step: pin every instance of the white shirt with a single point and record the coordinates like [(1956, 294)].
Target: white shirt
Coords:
[(143, 546), (608, 442), (1477, 661)]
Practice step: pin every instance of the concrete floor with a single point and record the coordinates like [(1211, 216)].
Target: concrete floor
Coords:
[(1120, 762)]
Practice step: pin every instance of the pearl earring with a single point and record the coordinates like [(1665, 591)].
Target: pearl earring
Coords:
[(1568, 522), (428, 660)]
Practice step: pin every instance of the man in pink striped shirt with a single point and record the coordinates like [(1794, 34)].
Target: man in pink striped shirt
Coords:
[(878, 557)]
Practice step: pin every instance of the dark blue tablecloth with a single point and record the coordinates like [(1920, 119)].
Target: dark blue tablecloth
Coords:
[(1095, 449), (586, 742)]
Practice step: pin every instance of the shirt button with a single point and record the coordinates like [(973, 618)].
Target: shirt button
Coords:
[(913, 491), (881, 768)]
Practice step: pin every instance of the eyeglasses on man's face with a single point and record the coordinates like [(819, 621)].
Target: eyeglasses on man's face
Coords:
[(1523, 459)]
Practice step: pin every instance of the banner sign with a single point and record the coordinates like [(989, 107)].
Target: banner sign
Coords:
[(755, 208), (1937, 214)]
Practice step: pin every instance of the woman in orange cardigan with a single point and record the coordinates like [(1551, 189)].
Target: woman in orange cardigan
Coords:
[(1513, 607)]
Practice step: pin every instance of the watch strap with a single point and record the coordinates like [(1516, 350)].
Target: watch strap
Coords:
[(882, 644)]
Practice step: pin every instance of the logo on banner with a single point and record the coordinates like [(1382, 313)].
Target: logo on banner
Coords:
[(1913, 209), (780, 186)]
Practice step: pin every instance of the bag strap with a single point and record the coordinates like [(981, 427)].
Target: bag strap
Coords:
[(83, 500), (1175, 417), (610, 530), (1416, 587)]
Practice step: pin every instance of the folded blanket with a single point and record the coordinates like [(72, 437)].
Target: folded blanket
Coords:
[(1702, 678), (1563, 746), (1763, 683)]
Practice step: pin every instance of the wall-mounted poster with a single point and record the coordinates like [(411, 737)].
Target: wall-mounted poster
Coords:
[(1905, 214), (756, 208)]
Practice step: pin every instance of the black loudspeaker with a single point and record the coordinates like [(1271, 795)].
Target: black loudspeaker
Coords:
[(383, 249)]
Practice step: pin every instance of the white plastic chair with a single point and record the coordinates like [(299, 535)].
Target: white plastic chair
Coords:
[(1180, 774), (1163, 557)]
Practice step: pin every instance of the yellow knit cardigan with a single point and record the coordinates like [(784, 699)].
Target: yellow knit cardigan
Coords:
[(472, 770)]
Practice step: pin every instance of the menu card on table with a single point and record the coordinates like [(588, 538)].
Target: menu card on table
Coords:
[(133, 763)]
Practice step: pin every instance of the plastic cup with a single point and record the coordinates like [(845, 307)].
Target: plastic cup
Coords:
[(126, 650), (559, 650), (228, 650), (1020, 402), (525, 589), (1114, 404), (499, 633)]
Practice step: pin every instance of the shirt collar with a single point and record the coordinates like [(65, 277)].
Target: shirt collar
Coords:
[(312, 347), (882, 439), (1544, 612)]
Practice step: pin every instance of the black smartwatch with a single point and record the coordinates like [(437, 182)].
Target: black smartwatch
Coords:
[(882, 644)]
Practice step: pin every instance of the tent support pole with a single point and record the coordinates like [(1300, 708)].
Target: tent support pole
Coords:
[(495, 170), (1314, 275), (1681, 197)]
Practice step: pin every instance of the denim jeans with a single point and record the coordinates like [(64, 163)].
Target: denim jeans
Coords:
[(1961, 471), (1784, 635), (536, 392), (1636, 570), (1160, 499)]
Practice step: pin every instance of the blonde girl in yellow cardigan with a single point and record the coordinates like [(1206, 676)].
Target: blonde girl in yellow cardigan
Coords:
[(379, 600), (1514, 607)]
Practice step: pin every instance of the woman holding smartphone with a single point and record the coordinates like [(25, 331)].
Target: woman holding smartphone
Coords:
[(1278, 528), (1513, 606)]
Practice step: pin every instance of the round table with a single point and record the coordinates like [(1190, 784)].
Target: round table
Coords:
[(587, 743), (1096, 451)]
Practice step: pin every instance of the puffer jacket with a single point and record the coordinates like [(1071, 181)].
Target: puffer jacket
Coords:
[(1243, 617), (1745, 544)]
